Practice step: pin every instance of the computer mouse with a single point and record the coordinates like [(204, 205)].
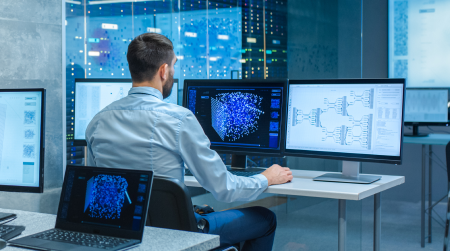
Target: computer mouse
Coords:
[(2, 244)]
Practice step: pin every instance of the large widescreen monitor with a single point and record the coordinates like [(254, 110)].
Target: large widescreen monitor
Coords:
[(419, 42), (22, 113), (92, 95), (243, 117), (346, 119)]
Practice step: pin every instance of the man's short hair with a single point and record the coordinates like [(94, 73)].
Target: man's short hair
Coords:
[(146, 53)]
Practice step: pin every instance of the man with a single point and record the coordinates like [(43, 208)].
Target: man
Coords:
[(141, 131)]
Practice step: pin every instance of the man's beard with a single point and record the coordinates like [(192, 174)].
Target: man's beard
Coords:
[(167, 87)]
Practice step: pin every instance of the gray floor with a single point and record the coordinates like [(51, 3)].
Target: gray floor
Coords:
[(311, 223), (401, 226)]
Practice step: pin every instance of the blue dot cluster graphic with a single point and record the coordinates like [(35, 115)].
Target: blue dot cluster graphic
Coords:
[(28, 151), (29, 134), (29, 117), (107, 196), (235, 114)]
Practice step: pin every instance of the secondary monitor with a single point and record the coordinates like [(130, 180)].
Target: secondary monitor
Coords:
[(425, 106), (22, 114), (242, 117), (346, 119), (92, 95)]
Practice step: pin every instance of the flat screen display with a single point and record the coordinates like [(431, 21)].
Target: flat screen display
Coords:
[(21, 137), (345, 119), (238, 116), (418, 42), (109, 198), (426, 105)]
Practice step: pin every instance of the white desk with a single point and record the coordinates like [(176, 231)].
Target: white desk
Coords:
[(431, 139), (303, 185), (154, 238)]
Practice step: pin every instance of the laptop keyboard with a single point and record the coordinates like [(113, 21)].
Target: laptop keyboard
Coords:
[(82, 239), (235, 172)]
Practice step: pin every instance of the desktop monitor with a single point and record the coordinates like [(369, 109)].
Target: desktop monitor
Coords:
[(92, 95), (346, 119), (427, 107), (242, 117), (22, 115)]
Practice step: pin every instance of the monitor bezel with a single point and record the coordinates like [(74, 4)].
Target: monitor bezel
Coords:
[(350, 156), (240, 82), (428, 123), (82, 142), (40, 188)]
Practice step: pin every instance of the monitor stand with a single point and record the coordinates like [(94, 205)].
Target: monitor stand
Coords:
[(415, 132), (350, 174), (240, 162)]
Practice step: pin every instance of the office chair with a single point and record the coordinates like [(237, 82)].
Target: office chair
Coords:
[(447, 215), (171, 207)]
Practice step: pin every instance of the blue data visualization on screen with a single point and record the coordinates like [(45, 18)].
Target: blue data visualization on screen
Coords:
[(345, 118), (105, 199), (419, 48), (20, 140), (92, 97), (247, 117)]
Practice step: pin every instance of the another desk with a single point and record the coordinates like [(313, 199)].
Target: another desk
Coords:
[(154, 238), (431, 139), (303, 185)]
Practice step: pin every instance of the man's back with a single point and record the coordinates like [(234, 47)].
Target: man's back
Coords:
[(138, 132)]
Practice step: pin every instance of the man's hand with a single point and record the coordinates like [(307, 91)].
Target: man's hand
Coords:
[(278, 175)]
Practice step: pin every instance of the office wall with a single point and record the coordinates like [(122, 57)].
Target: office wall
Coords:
[(31, 57)]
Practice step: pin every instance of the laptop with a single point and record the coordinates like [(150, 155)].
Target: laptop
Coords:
[(99, 209)]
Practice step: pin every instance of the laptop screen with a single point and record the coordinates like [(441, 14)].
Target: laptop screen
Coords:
[(100, 198)]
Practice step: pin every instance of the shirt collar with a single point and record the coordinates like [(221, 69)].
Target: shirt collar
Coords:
[(146, 90)]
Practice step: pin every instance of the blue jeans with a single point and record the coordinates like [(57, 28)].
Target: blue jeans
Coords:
[(254, 225)]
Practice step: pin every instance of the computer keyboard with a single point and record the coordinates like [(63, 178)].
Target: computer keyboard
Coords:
[(233, 171), (82, 239), (8, 232)]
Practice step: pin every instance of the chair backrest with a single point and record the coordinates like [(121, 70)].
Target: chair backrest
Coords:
[(171, 206)]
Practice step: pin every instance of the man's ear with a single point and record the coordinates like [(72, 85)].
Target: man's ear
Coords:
[(164, 71)]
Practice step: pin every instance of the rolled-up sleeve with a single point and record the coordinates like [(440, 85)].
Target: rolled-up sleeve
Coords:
[(209, 169)]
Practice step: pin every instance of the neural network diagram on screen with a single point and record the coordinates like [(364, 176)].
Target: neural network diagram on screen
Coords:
[(349, 118)]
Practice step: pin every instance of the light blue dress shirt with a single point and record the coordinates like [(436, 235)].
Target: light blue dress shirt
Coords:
[(141, 131)]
